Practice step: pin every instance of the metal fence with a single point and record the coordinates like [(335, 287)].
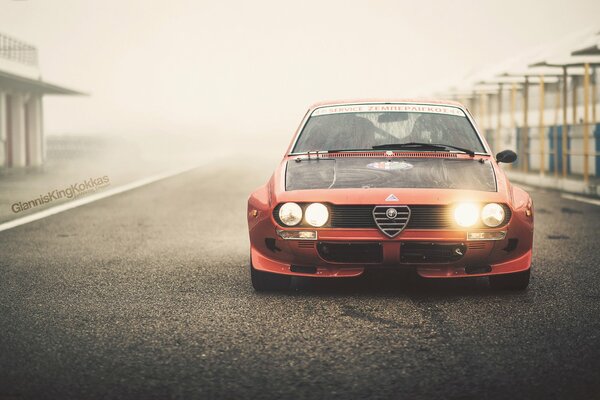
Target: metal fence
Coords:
[(548, 151), (564, 140), (16, 50)]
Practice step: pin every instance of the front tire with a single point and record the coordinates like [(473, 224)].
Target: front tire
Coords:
[(514, 281), (268, 282)]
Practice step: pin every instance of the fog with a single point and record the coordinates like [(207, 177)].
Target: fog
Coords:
[(223, 69)]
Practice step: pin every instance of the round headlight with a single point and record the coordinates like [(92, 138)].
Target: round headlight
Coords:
[(492, 215), (466, 214), (290, 214), (316, 214)]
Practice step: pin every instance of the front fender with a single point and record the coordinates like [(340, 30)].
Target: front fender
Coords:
[(259, 205)]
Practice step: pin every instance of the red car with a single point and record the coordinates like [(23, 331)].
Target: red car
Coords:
[(395, 184)]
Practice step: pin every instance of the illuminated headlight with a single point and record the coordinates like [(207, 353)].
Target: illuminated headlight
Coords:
[(492, 215), (316, 214), (466, 214), (290, 214)]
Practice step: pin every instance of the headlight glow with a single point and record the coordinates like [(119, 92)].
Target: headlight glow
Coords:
[(492, 215), (290, 214), (316, 214), (466, 214)]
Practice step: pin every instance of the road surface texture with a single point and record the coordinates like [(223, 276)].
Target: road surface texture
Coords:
[(147, 295)]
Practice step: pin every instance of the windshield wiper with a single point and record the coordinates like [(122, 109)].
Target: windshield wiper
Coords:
[(423, 146)]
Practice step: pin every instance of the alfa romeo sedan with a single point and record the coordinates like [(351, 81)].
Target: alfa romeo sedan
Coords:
[(390, 184)]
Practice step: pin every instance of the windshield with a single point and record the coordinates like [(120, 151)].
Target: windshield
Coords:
[(361, 127)]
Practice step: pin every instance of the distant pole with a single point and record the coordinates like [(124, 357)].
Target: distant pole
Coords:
[(574, 108), (499, 125), (586, 126), (574, 100), (594, 95), (513, 106), (565, 127), (487, 100), (513, 118), (555, 127), (541, 127), (525, 129)]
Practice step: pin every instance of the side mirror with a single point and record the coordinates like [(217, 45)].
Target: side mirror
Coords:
[(506, 156)]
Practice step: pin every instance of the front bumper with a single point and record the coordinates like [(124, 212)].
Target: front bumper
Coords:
[(478, 258)]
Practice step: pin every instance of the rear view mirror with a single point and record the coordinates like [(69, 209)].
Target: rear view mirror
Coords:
[(506, 156)]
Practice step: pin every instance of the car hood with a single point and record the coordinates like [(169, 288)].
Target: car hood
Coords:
[(364, 172)]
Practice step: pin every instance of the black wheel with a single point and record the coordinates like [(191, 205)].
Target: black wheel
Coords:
[(515, 281), (268, 282)]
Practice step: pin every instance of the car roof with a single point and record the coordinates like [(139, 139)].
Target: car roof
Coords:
[(405, 101)]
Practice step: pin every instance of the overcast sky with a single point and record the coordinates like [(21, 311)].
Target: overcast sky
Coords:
[(254, 66)]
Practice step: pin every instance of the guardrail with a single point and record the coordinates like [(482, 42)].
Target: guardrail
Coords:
[(18, 51)]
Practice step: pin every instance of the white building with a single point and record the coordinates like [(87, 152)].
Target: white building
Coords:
[(21, 108)]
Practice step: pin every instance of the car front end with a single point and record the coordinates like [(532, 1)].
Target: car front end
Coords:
[(445, 211)]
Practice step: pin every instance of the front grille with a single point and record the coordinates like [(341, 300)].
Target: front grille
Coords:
[(431, 217), (365, 253), (427, 252), (421, 217), (352, 217), (391, 220)]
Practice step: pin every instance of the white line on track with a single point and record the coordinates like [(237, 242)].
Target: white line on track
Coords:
[(94, 197), (581, 199)]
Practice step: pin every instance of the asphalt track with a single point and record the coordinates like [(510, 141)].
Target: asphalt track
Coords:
[(147, 295)]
